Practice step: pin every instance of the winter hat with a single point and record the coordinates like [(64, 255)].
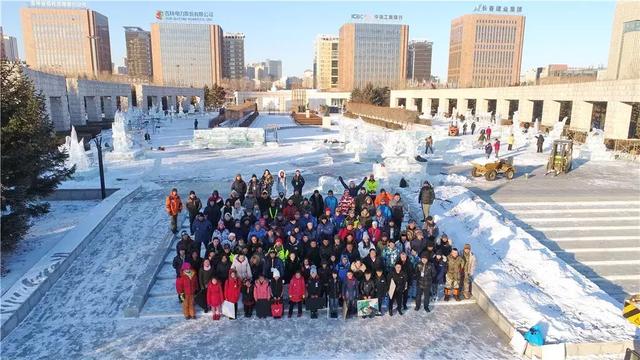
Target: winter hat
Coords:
[(186, 266), (278, 241), (467, 246), (276, 273), (313, 270), (184, 232), (254, 176), (192, 192)]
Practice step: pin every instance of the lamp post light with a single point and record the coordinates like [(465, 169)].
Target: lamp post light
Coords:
[(98, 141)]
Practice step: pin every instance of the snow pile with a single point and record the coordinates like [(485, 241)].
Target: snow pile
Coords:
[(222, 137), (594, 148), (326, 183), (75, 149), (527, 282)]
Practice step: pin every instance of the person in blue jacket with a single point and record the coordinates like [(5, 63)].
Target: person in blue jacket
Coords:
[(440, 267), (331, 202), (343, 267)]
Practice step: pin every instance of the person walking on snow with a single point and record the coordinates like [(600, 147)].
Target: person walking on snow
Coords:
[(428, 145), (510, 141), (488, 132), (496, 147), (487, 149), (173, 206), (426, 198), (539, 142), (473, 127)]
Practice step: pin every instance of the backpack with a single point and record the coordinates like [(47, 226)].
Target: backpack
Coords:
[(403, 183)]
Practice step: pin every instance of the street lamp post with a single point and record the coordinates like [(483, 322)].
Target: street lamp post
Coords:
[(98, 141)]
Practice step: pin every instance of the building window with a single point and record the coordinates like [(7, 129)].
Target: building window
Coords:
[(630, 26)]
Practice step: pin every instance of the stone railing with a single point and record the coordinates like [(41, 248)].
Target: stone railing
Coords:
[(395, 117)]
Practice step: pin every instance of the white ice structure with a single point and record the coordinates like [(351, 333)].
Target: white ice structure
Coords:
[(75, 149), (126, 144), (227, 137), (594, 147), (192, 109)]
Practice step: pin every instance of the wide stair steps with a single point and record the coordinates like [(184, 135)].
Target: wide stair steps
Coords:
[(600, 239)]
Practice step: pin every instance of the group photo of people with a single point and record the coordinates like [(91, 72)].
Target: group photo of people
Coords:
[(272, 251)]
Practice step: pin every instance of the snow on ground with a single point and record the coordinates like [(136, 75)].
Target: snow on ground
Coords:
[(81, 315), (263, 121), (45, 232)]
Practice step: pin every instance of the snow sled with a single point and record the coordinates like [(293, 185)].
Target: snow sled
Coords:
[(420, 159)]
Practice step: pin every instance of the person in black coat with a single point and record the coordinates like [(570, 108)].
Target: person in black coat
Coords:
[(312, 252), (367, 286), (178, 260), (317, 204), (399, 278), (185, 243), (382, 288), (239, 186), (334, 289), (298, 182), (325, 250), (247, 298), (425, 272), (324, 272), (373, 262), (292, 265), (315, 292), (222, 270), (408, 269), (277, 285), (353, 189), (212, 213)]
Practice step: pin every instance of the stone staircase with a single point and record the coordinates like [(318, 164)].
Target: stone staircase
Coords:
[(600, 239)]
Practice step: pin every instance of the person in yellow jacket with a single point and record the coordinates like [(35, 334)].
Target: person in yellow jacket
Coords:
[(510, 141), (371, 185)]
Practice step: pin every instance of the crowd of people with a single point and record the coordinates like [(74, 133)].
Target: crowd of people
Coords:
[(263, 250)]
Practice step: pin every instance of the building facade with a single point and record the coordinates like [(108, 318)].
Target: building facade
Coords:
[(485, 50), (274, 69), (325, 62), (10, 48), (72, 41), (233, 56), (624, 61), (419, 61), (372, 53), (186, 54), (139, 63)]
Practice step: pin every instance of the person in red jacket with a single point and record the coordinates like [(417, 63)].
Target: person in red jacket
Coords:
[(297, 289), (187, 286), (215, 298), (232, 290), (496, 147), (346, 231), (173, 205), (289, 210), (375, 234)]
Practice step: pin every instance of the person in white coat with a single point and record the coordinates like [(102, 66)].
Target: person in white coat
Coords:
[(241, 266), (281, 182), (365, 246)]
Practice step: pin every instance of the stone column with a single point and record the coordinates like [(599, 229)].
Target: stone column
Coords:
[(581, 115), (92, 109), (482, 106), (110, 106), (525, 107), (462, 106), (502, 109), (426, 106), (616, 124), (411, 104), (550, 112)]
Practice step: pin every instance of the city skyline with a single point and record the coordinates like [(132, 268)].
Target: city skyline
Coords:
[(581, 40)]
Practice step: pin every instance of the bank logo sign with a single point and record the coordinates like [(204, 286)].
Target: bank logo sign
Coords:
[(184, 16), (375, 17)]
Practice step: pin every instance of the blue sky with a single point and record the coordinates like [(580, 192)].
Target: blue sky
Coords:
[(557, 32)]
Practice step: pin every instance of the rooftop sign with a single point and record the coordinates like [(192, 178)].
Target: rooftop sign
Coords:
[(375, 17), (184, 16), (497, 8)]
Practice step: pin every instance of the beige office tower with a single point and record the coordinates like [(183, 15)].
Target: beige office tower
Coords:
[(485, 50), (624, 50), (372, 53), (186, 54), (71, 41), (325, 62)]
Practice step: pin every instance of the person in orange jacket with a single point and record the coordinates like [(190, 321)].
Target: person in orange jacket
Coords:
[(382, 196), (186, 287), (215, 298), (174, 207)]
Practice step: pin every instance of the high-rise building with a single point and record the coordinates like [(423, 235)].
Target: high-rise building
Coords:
[(67, 40), (186, 54), (485, 50), (9, 48), (139, 63), (372, 53), (233, 56), (325, 62), (624, 62), (307, 79), (274, 69), (419, 61), (251, 72)]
